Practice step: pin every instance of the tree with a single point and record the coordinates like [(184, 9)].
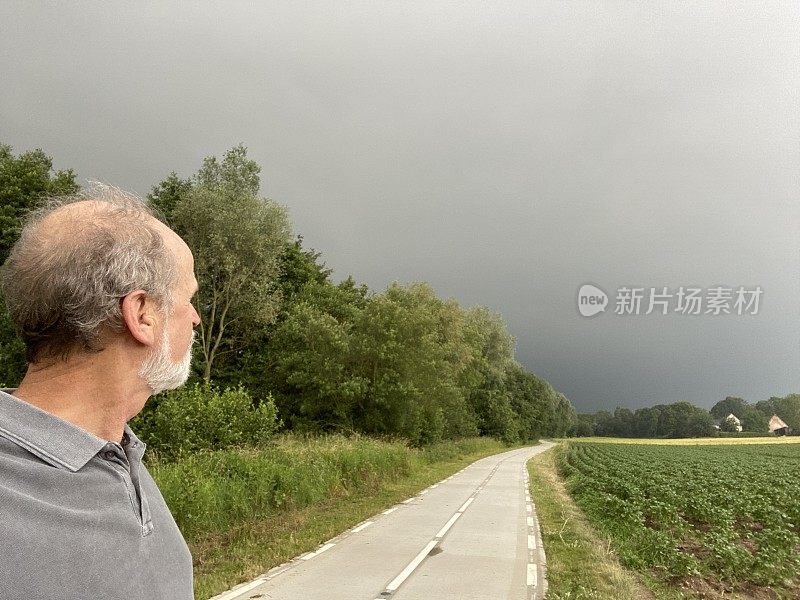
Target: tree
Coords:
[(299, 267), (582, 427), (237, 238), (603, 423), (646, 422), (754, 421), (25, 180), (166, 195), (767, 407), (682, 420), (623, 422), (728, 425), (729, 406), (788, 409), (528, 401), (253, 365), (404, 363)]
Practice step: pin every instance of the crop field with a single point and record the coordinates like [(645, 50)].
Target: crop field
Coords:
[(708, 441), (710, 519)]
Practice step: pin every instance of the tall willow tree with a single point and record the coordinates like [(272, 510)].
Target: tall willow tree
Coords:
[(236, 237)]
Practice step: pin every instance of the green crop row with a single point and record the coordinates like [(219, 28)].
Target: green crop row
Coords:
[(727, 514)]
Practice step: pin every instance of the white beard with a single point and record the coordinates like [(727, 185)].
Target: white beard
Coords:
[(158, 370)]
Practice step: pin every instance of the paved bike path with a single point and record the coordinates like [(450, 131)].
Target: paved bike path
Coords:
[(473, 535)]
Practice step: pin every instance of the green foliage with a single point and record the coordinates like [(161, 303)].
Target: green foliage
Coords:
[(237, 239), (299, 267), (729, 406), (788, 409), (677, 420), (404, 363), (12, 351), (400, 363), (166, 195), (728, 425), (200, 417), (726, 513), (25, 181), (236, 175), (572, 544), (211, 492)]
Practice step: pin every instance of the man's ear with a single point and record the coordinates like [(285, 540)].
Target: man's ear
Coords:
[(140, 317)]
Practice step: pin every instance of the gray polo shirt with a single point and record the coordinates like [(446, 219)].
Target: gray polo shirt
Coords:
[(80, 517)]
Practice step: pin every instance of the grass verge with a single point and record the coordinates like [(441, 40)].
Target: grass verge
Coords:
[(245, 511), (580, 563)]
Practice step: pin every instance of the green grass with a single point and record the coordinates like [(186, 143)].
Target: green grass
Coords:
[(245, 511), (580, 563)]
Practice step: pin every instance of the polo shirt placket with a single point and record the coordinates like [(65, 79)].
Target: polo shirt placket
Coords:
[(126, 459)]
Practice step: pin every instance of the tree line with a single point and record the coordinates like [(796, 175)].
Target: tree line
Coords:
[(330, 356), (682, 419)]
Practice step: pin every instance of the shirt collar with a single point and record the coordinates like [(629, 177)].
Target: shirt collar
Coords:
[(49, 437)]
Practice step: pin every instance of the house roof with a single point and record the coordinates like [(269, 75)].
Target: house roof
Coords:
[(776, 423)]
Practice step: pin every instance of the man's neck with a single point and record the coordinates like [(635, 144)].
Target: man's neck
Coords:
[(90, 391)]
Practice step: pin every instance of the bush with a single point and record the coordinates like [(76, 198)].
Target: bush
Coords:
[(211, 492), (201, 417)]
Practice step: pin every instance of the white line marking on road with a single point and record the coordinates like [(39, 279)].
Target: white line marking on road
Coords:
[(363, 526), (271, 574), (242, 590), (423, 492), (532, 542), (448, 525), (389, 510), (465, 505), (397, 581), (532, 575), (530, 521), (311, 555), (434, 486)]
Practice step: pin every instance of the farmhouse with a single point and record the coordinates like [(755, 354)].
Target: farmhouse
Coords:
[(731, 418), (777, 426)]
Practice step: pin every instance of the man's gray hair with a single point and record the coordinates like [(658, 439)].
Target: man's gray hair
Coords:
[(66, 276)]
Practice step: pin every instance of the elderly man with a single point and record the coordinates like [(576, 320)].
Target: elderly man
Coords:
[(102, 295)]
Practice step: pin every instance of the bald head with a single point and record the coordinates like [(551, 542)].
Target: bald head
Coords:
[(76, 259)]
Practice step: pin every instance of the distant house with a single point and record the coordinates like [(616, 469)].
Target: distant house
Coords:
[(777, 426), (737, 424)]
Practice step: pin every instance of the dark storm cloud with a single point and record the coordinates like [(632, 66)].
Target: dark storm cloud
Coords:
[(504, 153)]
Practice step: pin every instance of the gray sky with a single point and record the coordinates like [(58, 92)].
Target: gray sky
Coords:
[(505, 153)]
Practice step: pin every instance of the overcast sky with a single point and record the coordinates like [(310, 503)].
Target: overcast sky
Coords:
[(505, 153)]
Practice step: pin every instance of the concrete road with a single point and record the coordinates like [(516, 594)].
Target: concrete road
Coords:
[(473, 536)]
